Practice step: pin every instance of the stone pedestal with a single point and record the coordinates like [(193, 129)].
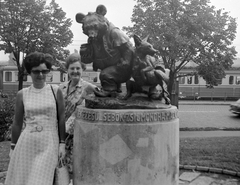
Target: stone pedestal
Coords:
[(126, 147)]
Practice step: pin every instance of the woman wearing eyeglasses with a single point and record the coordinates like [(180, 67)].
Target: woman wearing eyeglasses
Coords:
[(34, 152)]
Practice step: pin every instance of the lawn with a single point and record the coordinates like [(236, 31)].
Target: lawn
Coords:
[(4, 158), (217, 152)]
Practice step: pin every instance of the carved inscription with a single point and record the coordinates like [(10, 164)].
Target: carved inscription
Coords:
[(127, 117)]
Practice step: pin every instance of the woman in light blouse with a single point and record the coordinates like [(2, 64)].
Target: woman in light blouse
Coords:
[(74, 93)]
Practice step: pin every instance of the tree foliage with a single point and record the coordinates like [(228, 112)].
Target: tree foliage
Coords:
[(32, 25), (187, 31), (6, 117)]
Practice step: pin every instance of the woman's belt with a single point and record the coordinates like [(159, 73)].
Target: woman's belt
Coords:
[(40, 128)]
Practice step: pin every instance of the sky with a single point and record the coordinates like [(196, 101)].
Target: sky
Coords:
[(119, 12)]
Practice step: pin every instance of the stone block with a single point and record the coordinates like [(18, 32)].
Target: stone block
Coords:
[(189, 176), (183, 182), (202, 168), (203, 180), (189, 167), (229, 172), (215, 170)]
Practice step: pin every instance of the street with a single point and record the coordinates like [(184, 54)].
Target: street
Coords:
[(217, 116)]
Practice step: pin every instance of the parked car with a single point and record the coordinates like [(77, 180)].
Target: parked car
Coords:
[(235, 107)]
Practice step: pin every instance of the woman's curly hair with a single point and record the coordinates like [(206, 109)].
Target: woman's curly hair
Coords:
[(72, 58), (35, 59)]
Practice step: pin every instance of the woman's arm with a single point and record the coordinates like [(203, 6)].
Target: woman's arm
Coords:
[(18, 118), (90, 88), (61, 116)]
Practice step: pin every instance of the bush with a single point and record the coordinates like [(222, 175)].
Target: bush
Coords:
[(6, 117)]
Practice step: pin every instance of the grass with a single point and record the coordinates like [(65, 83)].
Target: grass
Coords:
[(4, 158), (217, 152)]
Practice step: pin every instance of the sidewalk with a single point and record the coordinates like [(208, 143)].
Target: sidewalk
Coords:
[(217, 133), (201, 102), (205, 178)]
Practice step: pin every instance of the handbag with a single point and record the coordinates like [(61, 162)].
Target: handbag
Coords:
[(61, 176), (55, 102)]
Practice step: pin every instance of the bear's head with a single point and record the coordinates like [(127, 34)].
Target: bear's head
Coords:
[(94, 24)]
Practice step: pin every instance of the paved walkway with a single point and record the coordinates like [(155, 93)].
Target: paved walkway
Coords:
[(201, 102), (203, 178), (218, 133)]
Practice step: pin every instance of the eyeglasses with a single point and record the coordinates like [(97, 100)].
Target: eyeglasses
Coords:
[(37, 72)]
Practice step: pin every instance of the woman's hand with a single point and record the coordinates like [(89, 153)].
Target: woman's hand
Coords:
[(62, 151), (10, 153)]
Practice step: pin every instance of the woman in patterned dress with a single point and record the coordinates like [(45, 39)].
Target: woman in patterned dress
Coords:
[(34, 152), (74, 93)]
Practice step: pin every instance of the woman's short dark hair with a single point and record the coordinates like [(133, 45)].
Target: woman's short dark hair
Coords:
[(35, 59), (72, 58)]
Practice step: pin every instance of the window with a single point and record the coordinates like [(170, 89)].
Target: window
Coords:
[(238, 80), (63, 77), (93, 76), (16, 75), (181, 80), (8, 76), (230, 80), (49, 77), (196, 80), (189, 80)]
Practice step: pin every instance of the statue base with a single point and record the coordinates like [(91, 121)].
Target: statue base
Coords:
[(134, 102), (127, 147)]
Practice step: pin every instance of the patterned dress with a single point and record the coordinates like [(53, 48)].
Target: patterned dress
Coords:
[(73, 99), (35, 156)]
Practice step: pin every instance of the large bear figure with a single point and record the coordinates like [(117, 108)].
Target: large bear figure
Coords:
[(108, 48)]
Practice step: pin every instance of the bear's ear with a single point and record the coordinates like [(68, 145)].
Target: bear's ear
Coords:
[(79, 17), (137, 40), (101, 10), (145, 39)]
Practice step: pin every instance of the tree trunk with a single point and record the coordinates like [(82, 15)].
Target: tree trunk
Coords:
[(20, 78), (20, 70), (171, 82), (172, 89)]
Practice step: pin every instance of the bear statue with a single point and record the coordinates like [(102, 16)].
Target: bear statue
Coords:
[(108, 48)]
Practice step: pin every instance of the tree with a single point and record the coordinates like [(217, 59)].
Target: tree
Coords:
[(187, 31), (32, 25)]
